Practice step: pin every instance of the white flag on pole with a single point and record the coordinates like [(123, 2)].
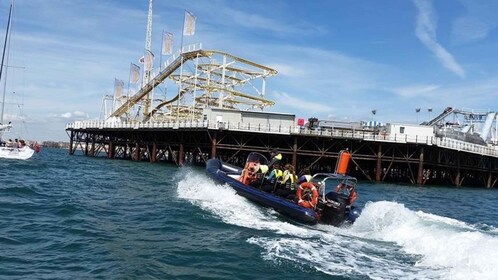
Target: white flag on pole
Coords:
[(134, 73), (167, 39), (147, 60), (189, 24), (118, 88)]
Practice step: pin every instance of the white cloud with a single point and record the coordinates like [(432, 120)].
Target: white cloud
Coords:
[(286, 100), (71, 116), (416, 91), (468, 29), (477, 23), (426, 32)]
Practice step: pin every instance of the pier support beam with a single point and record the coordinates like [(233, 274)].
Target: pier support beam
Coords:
[(71, 143), (213, 146), (181, 156), (458, 182), (110, 152), (420, 173), (86, 145), (378, 166), (126, 151), (92, 147), (153, 153), (294, 153), (136, 155)]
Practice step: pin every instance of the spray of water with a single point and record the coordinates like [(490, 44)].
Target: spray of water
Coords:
[(388, 241)]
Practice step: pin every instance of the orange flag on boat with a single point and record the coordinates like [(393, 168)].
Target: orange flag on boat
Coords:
[(189, 24)]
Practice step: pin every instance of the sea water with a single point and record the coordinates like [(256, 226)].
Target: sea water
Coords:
[(79, 217)]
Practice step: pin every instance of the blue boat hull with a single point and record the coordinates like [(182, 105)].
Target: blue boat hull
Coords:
[(220, 171)]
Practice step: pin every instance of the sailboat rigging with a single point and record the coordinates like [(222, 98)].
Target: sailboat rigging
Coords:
[(17, 149)]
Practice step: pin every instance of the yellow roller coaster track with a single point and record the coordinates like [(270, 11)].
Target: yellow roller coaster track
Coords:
[(204, 85)]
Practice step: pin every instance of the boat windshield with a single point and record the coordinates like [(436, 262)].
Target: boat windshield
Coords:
[(257, 158), (329, 182)]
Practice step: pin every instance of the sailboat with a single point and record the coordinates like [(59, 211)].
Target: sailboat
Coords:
[(17, 149)]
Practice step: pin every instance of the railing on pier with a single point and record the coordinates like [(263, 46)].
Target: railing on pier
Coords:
[(365, 135)]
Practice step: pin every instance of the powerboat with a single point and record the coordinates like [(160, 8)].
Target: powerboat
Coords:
[(325, 199)]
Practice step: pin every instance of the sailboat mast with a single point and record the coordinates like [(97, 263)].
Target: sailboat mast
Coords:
[(3, 56)]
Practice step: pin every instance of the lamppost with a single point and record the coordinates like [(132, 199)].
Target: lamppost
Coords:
[(417, 110), (430, 112), (374, 111)]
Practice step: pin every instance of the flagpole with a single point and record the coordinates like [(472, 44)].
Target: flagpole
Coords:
[(183, 31), (161, 58), (114, 96), (129, 80), (181, 69)]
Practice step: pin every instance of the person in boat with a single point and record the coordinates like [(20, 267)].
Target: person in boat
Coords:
[(276, 157), (348, 191), (306, 177), (254, 171), (273, 178), (9, 143), (288, 185)]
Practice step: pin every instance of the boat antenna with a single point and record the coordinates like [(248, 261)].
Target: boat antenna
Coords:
[(3, 55)]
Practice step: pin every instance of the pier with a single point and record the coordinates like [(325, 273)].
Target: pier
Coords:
[(375, 157)]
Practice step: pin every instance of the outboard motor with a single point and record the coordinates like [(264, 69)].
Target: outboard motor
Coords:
[(334, 209)]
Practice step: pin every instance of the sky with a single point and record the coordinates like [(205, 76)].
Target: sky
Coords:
[(336, 60)]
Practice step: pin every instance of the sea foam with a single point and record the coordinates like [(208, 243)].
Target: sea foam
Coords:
[(388, 240)]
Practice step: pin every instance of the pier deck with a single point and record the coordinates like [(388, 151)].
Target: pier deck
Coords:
[(375, 157)]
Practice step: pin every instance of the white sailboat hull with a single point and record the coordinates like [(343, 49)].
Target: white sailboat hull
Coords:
[(16, 153)]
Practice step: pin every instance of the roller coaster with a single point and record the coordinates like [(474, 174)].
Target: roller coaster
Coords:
[(466, 125), (204, 78)]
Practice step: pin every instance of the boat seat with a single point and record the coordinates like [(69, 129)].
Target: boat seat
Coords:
[(337, 197)]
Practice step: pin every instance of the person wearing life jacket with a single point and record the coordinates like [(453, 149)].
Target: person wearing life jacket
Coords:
[(347, 190), (306, 177), (273, 178), (259, 175), (253, 172), (276, 157), (288, 184)]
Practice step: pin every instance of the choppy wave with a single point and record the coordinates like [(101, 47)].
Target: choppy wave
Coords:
[(388, 241), (91, 218)]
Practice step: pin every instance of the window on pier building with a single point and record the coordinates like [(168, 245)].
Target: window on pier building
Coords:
[(401, 129)]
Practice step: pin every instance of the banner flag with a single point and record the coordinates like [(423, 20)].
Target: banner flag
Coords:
[(134, 73), (118, 88), (167, 41), (147, 60), (189, 24)]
